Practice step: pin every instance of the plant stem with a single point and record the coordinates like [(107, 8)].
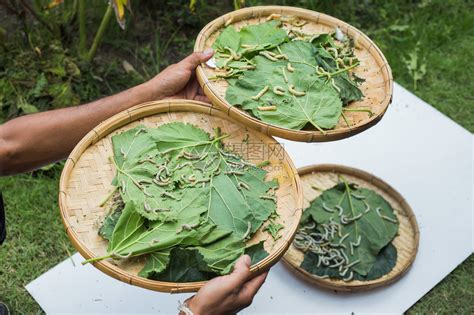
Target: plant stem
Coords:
[(100, 33), (39, 18), (108, 196), (364, 110), (82, 27), (95, 259)]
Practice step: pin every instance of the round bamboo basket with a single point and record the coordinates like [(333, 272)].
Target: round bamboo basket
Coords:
[(87, 175), (406, 242), (377, 89)]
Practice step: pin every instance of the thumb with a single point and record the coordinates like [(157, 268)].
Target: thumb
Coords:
[(241, 271), (196, 58)]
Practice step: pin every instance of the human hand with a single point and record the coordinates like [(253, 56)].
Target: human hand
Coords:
[(179, 80), (227, 294)]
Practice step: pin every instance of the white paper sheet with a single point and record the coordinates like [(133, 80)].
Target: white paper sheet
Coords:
[(420, 152)]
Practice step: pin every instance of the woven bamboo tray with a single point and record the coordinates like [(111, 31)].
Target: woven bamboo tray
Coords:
[(87, 175), (406, 242), (377, 89)]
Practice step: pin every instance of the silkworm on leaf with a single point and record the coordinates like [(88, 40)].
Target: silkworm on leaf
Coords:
[(267, 55), (289, 67), (146, 206), (349, 278), (161, 210), (268, 198), (333, 50), (340, 209), (260, 94), (167, 194), (278, 90), (333, 83), (384, 216), (325, 207), (284, 74), (187, 227), (367, 207), (243, 185), (267, 108), (343, 273), (281, 56), (190, 156), (160, 183), (139, 131), (247, 233), (293, 91), (343, 238), (234, 173), (146, 193), (123, 152)]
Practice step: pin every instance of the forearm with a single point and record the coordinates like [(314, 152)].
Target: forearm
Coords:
[(31, 141)]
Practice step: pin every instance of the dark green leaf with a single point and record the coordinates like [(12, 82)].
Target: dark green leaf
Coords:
[(373, 231), (184, 266), (256, 252), (109, 224), (384, 263)]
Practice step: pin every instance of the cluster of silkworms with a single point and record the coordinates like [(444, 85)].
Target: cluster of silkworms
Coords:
[(330, 254), (322, 241)]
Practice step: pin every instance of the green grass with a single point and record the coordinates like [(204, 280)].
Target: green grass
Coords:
[(439, 34)]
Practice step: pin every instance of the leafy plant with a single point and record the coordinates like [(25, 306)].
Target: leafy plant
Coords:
[(306, 78), (344, 230), (182, 190), (415, 67)]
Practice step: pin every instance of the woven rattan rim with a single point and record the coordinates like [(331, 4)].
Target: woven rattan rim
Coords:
[(170, 107), (404, 213), (384, 79)]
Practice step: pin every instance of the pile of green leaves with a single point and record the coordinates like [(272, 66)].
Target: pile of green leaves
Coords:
[(346, 234), (286, 77), (185, 202)]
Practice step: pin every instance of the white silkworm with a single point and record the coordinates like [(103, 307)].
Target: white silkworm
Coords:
[(249, 227), (367, 207), (359, 197), (243, 185), (278, 90), (267, 108), (355, 262), (268, 198), (260, 94), (344, 271), (234, 173), (167, 194), (340, 209), (343, 238), (289, 67), (325, 207), (146, 193), (293, 91), (268, 55), (378, 210), (349, 278), (284, 75)]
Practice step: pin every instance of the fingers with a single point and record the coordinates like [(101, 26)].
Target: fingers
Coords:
[(241, 272), (202, 98), (193, 60), (255, 284), (251, 288)]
